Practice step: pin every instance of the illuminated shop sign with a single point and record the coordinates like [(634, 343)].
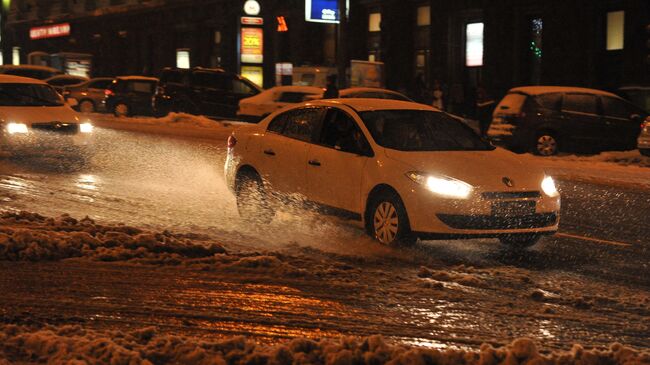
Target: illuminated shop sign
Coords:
[(252, 20), (50, 31), (254, 74), (252, 45), (323, 11)]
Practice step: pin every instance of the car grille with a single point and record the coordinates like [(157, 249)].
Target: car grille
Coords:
[(498, 222), (511, 195), (57, 127)]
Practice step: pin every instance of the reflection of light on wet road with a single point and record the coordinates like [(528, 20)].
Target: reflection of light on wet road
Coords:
[(545, 329), (87, 182), (15, 183)]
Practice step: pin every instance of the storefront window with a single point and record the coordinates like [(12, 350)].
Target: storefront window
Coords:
[(474, 45), (183, 58), (374, 22), (615, 30), (424, 16)]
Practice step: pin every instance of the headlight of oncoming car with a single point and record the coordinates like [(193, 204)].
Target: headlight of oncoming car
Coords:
[(442, 185), (549, 188), (14, 128), (85, 127)]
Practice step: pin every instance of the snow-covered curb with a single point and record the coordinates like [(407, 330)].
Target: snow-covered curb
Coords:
[(174, 124), (77, 345)]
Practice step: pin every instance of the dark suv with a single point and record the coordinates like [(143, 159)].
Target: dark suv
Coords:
[(130, 95), (546, 119), (202, 91)]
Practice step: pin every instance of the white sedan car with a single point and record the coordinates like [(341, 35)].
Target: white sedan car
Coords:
[(259, 106), (34, 120), (405, 170)]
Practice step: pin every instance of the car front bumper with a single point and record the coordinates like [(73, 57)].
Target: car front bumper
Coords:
[(478, 215), (51, 144), (643, 142)]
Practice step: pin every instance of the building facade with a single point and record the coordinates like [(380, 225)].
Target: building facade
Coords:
[(463, 44)]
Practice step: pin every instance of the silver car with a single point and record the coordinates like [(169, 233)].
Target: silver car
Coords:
[(89, 95)]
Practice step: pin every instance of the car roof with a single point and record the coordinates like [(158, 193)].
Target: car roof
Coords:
[(11, 79), (367, 104), (537, 90), (137, 78), (82, 78), (30, 67), (366, 89)]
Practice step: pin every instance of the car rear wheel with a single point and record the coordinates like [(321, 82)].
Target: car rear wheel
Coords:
[(121, 110), (388, 222), (520, 241), (546, 144), (86, 106), (252, 202), (645, 151)]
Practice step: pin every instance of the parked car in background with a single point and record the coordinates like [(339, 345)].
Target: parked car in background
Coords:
[(372, 93), (256, 107), (32, 71), (130, 95), (643, 143), (88, 96), (637, 95), (59, 81), (547, 119), (35, 121), (212, 92), (405, 170)]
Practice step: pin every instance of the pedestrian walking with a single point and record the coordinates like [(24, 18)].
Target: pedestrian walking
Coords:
[(438, 95), (331, 90)]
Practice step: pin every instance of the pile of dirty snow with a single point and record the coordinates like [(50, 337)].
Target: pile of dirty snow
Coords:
[(28, 236), (77, 345), (625, 158)]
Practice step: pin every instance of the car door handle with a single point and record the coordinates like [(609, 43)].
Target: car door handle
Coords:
[(314, 162), (269, 152)]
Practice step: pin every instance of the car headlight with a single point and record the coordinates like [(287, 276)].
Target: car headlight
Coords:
[(549, 188), (14, 128), (442, 185), (85, 128)]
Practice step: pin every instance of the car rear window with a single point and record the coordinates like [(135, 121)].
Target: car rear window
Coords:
[(512, 103), (173, 76), (141, 86), (549, 101)]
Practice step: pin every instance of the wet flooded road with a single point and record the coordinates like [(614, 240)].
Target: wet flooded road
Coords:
[(589, 284)]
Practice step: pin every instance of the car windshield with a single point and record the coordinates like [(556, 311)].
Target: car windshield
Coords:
[(421, 130), (28, 95)]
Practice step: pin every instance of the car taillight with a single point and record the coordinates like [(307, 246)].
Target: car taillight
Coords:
[(232, 141), (108, 92)]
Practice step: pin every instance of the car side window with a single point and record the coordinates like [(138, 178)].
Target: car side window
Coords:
[(141, 87), (342, 133), (101, 84), (291, 97), (580, 103), (208, 80), (549, 101), (278, 123), (615, 108), (302, 123), (240, 87)]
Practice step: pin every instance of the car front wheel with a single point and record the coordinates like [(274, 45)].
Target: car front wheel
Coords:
[(388, 222), (86, 106)]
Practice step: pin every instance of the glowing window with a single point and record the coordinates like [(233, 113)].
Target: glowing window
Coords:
[(474, 45), (183, 58), (424, 15), (615, 30), (374, 22), (15, 56)]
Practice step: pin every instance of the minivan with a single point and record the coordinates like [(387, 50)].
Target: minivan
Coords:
[(548, 119)]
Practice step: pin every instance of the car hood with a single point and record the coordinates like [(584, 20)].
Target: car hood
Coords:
[(481, 169), (38, 114)]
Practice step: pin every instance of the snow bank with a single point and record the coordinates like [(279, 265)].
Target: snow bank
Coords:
[(624, 158), (77, 345), (28, 236)]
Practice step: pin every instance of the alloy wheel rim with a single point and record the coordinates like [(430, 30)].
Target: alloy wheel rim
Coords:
[(86, 107), (386, 222), (546, 145), (121, 109)]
